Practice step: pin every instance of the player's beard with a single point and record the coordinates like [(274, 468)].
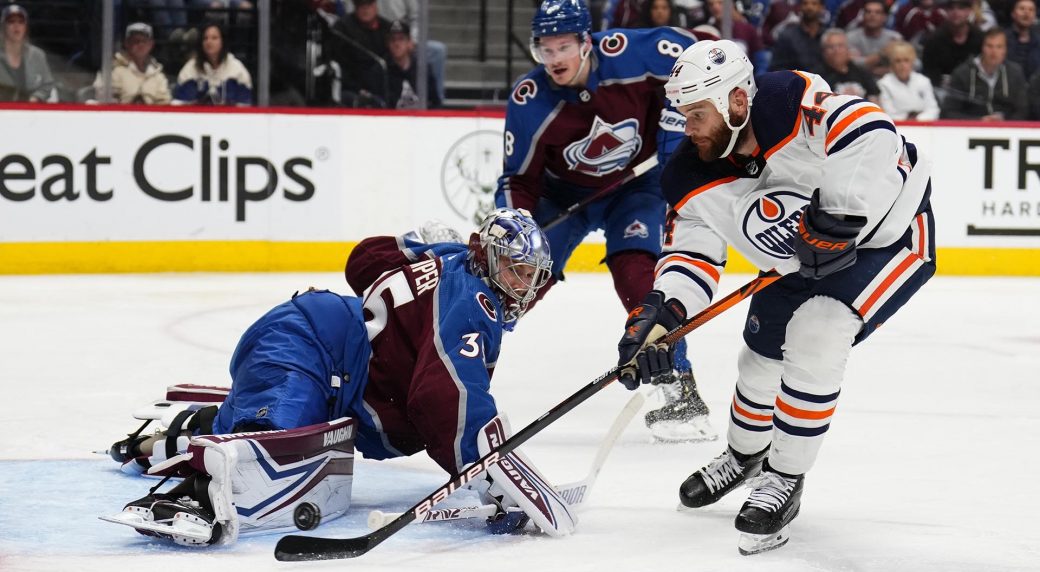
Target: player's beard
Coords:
[(718, 140)]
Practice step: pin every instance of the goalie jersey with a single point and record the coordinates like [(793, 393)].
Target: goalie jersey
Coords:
[(585, 138), (808, 138)]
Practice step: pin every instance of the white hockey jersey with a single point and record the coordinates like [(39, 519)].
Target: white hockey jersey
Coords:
[(808, 138)]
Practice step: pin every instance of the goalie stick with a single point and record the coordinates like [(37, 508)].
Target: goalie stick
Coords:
[(637, 171), (295, 547), (576, 494)]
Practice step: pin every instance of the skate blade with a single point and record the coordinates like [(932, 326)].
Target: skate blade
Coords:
[(180, 527), (696, 430), (750, 544)]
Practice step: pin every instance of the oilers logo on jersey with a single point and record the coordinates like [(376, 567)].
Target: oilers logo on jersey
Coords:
[(771, 221), (606, 149)]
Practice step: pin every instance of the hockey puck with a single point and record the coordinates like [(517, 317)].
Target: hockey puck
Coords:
[(306, 516)]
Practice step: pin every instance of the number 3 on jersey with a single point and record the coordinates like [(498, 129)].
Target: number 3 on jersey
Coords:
[(472, 348)]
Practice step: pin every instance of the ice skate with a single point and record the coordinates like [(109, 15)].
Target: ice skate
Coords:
[(765, 518), (714, 481), (684, 416), (176, 515)]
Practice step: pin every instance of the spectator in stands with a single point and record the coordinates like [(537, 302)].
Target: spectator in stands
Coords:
[(223, 4), (844, 76), (916, 20), (867, 42), (798, 46), (136, 76), (987, 87), (24, 72), (213, 75), (906, 94), (955, 42), (622, 13), (402, 70), (359, 45), (982, 15), (657, 13), (436, 52), (744, 34), (1034, 97), (1024, 37), (779, 14), (166, 14)]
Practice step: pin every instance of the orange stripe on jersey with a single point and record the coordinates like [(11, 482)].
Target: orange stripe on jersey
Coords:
[(797, 120), (910, 259), (708, 268), (920, 235), (703, 188), (841, 125), (803, 413), (745, 413)]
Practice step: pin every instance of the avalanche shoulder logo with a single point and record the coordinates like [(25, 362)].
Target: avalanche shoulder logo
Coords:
[(487, 305), (613, 44), (606, 149), (771, 221), (637, 229)]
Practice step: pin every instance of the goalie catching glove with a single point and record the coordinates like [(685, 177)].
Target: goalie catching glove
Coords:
[(639, 356), (825, 243)]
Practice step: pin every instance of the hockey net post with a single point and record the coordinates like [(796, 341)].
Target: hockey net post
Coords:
[(300, 548)]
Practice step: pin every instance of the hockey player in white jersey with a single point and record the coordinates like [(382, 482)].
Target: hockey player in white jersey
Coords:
[(819, 186)]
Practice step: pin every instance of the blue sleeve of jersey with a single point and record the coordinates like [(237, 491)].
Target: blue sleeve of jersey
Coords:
[(450, 398), (661, 47)]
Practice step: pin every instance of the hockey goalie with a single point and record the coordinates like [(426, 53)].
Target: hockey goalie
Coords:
[(404, 367)]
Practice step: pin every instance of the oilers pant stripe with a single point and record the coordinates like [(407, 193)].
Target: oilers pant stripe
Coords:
[(803, 414), (749, 415), (888, 281)]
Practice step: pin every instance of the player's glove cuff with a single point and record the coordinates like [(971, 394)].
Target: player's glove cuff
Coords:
[(638, 354), (825, 243)]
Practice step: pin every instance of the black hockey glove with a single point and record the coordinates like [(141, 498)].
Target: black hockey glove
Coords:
[(825, 244), (638, 355)]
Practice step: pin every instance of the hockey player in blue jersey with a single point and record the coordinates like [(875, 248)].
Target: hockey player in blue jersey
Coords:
[(820, 186), (580, 122), (404, 368)]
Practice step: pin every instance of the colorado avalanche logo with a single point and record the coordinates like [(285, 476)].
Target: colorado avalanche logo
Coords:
[(613, 44), (525, 91), (772, 220), (717, 56), (487, 305), (606, 149)]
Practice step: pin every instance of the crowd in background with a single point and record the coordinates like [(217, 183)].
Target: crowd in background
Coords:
[(918, 59)]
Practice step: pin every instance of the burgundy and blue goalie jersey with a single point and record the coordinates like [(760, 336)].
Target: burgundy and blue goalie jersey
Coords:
[(585, 138), (435, 331)]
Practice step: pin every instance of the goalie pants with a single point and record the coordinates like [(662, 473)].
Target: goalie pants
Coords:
[(798, 336)]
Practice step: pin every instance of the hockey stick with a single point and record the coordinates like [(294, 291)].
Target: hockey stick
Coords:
[(576, 494), (637, 171), (295, 547)]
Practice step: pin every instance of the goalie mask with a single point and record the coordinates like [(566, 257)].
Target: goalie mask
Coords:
[(511, 254), (710, 70)]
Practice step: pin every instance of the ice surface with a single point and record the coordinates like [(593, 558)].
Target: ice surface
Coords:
[(930, 464)]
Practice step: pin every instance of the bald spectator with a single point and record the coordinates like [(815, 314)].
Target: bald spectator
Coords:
[(987, 87), (843, 75), (798, 47)]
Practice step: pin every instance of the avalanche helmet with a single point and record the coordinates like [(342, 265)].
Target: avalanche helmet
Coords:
[(558, 17), (710, 70), (511, 254)]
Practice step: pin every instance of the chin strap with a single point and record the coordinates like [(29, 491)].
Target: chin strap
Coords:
[(734, 133), (584, 60)]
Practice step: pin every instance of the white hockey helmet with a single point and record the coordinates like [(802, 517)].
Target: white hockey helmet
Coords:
[(709, 70)]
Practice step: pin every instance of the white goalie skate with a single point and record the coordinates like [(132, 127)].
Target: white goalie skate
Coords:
[(684, 416)]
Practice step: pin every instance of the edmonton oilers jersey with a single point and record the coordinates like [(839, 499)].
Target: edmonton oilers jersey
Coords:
[(585, 138)]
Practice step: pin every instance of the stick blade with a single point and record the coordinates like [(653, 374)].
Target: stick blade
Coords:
[(295, 548)]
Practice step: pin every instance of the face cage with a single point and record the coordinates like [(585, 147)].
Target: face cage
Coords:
[(513, 301)]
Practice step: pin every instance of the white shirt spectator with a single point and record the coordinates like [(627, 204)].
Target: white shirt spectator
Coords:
[(913, 99)]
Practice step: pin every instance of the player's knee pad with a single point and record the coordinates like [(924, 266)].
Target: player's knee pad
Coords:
[(523, 485), (818, 342), (273, 480), (758, 377)]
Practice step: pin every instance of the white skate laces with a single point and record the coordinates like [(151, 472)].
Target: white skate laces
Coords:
[(721, 471), (771, 491)]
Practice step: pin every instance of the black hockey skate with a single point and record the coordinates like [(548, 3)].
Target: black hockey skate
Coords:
[(769, 510), (684, 416), (179, 515), (719, 477)]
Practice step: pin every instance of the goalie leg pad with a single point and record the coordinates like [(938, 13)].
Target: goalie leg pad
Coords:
[(525, 486)]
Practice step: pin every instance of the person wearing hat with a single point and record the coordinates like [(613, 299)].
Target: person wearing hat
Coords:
[(956, 41), (136, 76), (24, 72), (360, 47), (402, 73)]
